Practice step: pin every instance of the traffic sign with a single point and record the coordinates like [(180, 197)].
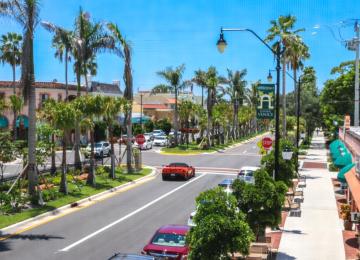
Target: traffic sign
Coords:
[(140, 139), (267, 143)]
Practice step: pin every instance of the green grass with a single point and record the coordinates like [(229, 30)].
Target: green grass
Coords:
[(103, 182), (193, 148)]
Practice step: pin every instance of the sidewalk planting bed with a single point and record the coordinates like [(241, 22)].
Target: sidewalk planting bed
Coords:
[(77, 190)]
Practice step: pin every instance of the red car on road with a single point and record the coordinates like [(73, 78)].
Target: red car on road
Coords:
[(168, 243), (178, 170)]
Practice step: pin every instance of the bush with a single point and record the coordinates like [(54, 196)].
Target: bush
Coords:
[(50, 194), (333, 168)]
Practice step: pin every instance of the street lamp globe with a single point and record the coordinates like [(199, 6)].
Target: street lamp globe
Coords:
[(269, 77), (221, 43)]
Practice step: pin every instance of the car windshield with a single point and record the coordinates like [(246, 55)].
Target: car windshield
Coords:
[(178, 165), (165, 239), (157, 131), (160, 138), (98, 145)]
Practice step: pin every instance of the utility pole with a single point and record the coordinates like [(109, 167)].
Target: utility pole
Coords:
[(353, 45), (141, 111)]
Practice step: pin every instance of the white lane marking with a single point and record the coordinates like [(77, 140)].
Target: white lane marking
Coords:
[(220, 173), (245, 151), (128, 215)]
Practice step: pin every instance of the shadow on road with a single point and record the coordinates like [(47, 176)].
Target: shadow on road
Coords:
[(5, 245)]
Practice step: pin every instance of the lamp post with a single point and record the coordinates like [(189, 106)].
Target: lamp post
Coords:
[(221, 44), (298, 103), (141, 111)]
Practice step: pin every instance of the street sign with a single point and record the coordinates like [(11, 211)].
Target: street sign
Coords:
[(265, 104), (267, 143), (140, 139)]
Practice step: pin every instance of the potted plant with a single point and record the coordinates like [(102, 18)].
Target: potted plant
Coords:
[(346, 216)]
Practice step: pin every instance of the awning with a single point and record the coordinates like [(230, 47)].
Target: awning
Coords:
[(343, 171), (22, 120), (354, 186), (4, 123), (342, 161)]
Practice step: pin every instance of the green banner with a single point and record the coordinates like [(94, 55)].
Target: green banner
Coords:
[(266, 101)]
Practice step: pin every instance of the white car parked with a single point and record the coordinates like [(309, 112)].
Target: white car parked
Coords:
[(247, 173), (145, 146), (101, 149), (161, 140), (158, 132)]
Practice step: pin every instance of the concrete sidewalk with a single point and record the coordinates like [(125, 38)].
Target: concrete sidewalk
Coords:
[(317, 233)]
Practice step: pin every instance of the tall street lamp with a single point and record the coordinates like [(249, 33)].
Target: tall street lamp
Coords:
[(221, 44), (298, 102)]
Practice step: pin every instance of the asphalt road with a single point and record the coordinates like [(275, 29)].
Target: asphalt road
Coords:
[(126, 221)]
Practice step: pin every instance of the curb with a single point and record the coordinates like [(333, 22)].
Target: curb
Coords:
[(76, 203), (221, 150)]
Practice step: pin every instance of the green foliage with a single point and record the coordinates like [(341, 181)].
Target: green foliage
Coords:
[(149, 126), (287, 169), (337, 96), (164, 125), (136, 129), (50, 194), (261, 202), (8, 151), (220, 227), (12, 202)]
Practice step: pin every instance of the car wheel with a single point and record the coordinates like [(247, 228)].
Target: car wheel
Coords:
[(101, 155), (194, 173), (163, 177), (186, 177)]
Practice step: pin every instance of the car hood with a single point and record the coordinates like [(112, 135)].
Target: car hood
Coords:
[(167, 249)]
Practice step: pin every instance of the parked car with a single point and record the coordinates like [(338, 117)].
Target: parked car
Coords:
[(120, 256), (174, 170), (161, 140), (158, 132), (101, 149), (246, 173), (149, 135), (168, 243), (145, 146)]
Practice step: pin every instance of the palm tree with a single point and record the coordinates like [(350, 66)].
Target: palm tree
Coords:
[(88, 40), (235, 90), (187, 110), (283, 28), (112, 107), (16, 104), (10, 50), (175, 83), (26, 12), (63, 43), (212, 83), (200, 79), (124, 50)]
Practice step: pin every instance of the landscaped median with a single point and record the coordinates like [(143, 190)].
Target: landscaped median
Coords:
[(194, 149), (78, 192)]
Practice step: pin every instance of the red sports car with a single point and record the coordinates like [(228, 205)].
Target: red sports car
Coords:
[(178, 170), (168, 243)]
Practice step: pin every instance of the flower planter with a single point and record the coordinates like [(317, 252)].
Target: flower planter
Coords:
[(347, 225), (287, 155)]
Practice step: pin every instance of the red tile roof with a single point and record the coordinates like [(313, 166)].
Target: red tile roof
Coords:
[(354, 185), (154, 106)]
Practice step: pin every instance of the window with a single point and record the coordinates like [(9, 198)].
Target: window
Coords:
[(43, 98)]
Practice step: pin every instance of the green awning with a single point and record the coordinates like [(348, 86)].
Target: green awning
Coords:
[(22, 120), (343, 171), (4, 123), (342, 161)]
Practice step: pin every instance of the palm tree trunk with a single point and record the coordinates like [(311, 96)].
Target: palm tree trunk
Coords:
[(77, 129), (112, 170), (66, 75), (176, 128), (53, 166), (63, 182), (91, 177), (284, 95), (209, 118), (129, 142), (202, 96), (14, 109)]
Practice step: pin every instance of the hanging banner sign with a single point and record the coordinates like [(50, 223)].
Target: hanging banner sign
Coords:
[(266, 101)]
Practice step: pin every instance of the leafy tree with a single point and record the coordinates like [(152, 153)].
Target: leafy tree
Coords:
[(26, 13), (149, 126), (337, 96), (261, 202), (200, 79), (8, 151), (287, 169), (220, 227), (163, 124)]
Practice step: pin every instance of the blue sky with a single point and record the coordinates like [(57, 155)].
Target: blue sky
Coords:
[(169, 33)]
